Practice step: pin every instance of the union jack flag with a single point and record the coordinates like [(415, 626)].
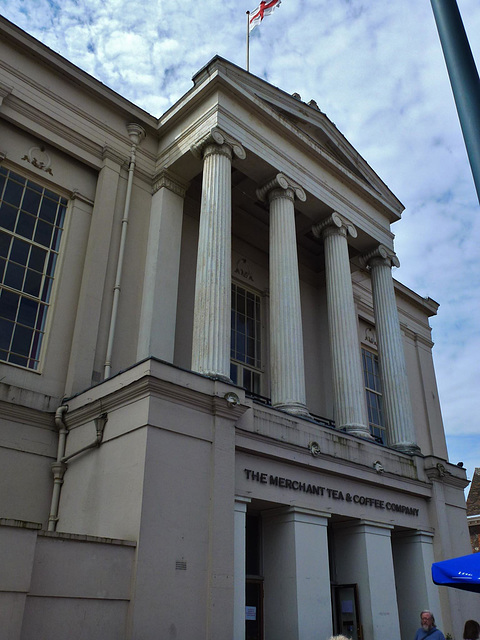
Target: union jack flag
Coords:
[(265, 8)]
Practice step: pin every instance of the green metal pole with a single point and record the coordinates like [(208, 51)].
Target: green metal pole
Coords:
[(463, 78)]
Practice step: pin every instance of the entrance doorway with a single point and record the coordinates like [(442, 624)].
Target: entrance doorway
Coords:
[(254, 622), (254, 609), (346, 618)]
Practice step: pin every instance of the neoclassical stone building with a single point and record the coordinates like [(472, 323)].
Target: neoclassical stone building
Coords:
[(219, 416)]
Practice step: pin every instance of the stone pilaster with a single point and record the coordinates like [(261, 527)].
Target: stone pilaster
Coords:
[(160, 284), (287, 369), (397, 405), (348, 384), (211, 325)]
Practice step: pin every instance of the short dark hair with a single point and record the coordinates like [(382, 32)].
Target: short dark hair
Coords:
[(471, 630)]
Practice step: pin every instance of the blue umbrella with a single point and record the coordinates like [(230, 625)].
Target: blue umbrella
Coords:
[(461, 573)]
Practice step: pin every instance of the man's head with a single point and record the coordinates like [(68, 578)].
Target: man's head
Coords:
[(427, 620)]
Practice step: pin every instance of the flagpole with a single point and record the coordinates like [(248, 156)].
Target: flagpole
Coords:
[(248, 40)]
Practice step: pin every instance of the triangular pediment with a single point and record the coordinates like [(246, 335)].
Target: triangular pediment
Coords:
[(305, 120)]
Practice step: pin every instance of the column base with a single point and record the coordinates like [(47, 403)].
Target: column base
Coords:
[(216, 376), (293, 408), (405, 447), (359, 430)]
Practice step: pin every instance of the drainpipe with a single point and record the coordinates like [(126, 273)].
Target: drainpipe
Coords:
[(60, 465), (136, 133)]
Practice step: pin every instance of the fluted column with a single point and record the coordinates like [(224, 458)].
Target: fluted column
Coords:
[(397, 405), (211, 324), (287, 369), (348, 384)]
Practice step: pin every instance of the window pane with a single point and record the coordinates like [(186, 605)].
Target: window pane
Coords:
[(43, 233), (13, 193), (22, 339), (48, 210), (19, 252), (5, 240), (9, 304), (33, 282), (37, 259), (16, 359), (25, 225), (14, 276), (8, 216), (31, 201), (27, 312), (34, 187), (6, 330)]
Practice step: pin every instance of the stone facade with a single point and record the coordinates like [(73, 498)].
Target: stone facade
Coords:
[(473, 511), (219, 413)]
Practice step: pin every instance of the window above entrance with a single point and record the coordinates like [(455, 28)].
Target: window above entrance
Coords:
[(246, 347), (373, 390)]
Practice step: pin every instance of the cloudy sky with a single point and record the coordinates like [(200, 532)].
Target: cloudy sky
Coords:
[(376, 68)]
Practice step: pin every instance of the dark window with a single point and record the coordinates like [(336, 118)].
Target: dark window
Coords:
[(373, 390), (31, 224), (246, 347)]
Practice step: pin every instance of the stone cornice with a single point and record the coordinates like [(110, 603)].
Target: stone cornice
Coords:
[(25, 415), (334, 224), (166, 179), (218, 137), (152, 386), (76, 195), (284, 183), (321, 189), (274, 119), (437, 470), (5, 91), (111, 154), (416, 337), (67, 134)]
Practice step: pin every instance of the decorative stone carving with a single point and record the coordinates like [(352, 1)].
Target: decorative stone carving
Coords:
[(243, 269), (370, 336), (218, 137), (280, 181), (382, 254), (348, 384), (39, 158), (168, 180)]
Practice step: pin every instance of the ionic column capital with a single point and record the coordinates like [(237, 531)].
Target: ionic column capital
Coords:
[(217, 141), (166, 179), (281, 186), (379, 256), (334, 224)]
